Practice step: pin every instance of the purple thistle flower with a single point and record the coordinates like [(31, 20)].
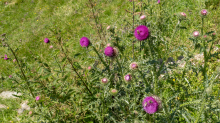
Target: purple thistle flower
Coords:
[(150, 105), (6, 57), (204, 12), (141, 32), (84, 42), (46, 40), (37, 98), (133, 65), (127, 77), (10, 76), (109, 51), (158, 1)]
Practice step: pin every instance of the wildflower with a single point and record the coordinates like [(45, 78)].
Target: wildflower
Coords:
[(141, 32), (46, 40), (133, 65), (14, 60), (204, 12), (127, 77), (6, 57), (51, 46), (89, 68), (183, 14), (7, 107), (158, 1), (114, 92), (196, 33), (30, 112), (10, 76), (104, 80), (151, 104), (37, 98), (84, 42), (108, 45), (110, 51), (108, 27), (143, 17)]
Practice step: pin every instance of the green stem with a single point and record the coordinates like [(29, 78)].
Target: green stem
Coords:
[(176, 29), (202, 25), (154, 69), (101, 59), (200, 112), (119, 65)]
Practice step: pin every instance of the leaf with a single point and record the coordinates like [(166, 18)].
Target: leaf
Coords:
[(190, 103)]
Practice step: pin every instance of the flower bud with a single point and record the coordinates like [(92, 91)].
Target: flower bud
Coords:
[(133, 65), (37, 98), (89, 68), (127, 77), (196, 33), (204, 12), (114, 92), (51, 46), (14, 60), (108, 27), (143, 17), (104, 80)]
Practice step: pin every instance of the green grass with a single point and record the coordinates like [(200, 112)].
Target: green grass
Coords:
[(27, 22)]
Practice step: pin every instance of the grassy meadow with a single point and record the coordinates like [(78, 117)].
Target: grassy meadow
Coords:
[(176, 66)]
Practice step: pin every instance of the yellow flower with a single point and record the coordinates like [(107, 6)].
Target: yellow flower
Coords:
[(7, 107), (174, 80)]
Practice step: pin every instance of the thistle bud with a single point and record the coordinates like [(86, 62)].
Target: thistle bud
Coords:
[(204, 12), (143, 18), (104, 80), (133, 65), (127, 77), (114, 92), (196, 33)]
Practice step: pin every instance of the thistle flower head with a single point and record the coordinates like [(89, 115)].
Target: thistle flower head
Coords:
[(141, 32), (6, 57), (14, 60), (37, 98), (110, 51), (46, 40), (127, 77), (158, 1), (10, 76), (133, 65), (51, 46), (150, 105), (196, 33), (104, 80), (84, 42), (114, 92), (89, 68), (204, 12)]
